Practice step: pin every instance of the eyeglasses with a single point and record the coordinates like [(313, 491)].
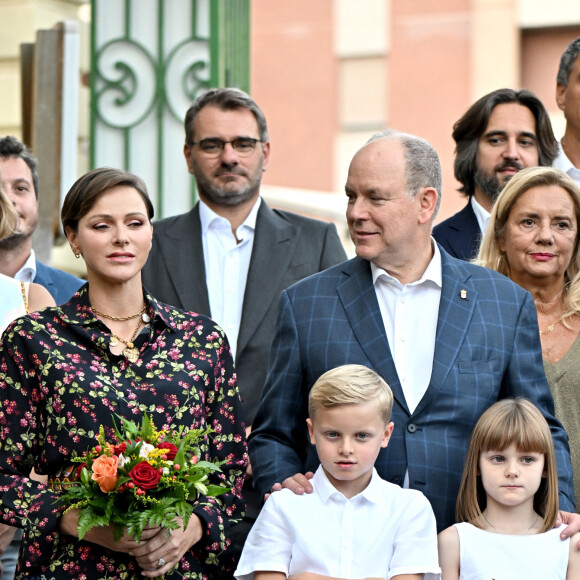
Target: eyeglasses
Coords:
[(243, 146)]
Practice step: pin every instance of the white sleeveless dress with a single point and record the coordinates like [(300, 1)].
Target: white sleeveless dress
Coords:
[(489, 556), (12, 301)]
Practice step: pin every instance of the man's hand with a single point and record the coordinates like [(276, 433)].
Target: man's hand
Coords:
[(299, 484), (573, 524)]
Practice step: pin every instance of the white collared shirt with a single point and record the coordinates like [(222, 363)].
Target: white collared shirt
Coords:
[(28, 271), (410, 315), (382, 532), (562, 162), (226, 267), (481, 214)]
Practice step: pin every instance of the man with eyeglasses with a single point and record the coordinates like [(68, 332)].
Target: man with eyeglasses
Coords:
[(231, 256)]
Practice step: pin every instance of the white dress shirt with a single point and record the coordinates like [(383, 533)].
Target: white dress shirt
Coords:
[(481, 214), (226, 267), (382, 532), (410, 315), (28, 271), (562, 162)]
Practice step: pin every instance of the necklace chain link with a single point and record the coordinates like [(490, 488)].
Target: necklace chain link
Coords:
[(130, 353), (120, 318), (551, 326)]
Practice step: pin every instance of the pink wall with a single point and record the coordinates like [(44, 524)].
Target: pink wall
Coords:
[(430, 78), (541, 52), (293, 79)]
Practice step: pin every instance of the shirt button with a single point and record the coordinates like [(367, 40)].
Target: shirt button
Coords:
[(411, 427)]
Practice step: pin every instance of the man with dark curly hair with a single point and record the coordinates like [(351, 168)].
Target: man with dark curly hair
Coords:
[(500, 134)]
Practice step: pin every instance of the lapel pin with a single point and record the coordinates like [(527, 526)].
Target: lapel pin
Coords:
[(463, 294)]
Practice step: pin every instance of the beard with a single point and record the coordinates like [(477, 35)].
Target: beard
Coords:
[(489, 182), (14, 241), (232, 195)]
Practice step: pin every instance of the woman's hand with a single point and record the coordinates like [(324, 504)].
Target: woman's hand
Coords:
[(156, 553), (104, 535), (159, 554)]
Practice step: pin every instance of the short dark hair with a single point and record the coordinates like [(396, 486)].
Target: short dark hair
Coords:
[(12, 147), (567, 62), (87, 189), (229, 99), (469, 129)]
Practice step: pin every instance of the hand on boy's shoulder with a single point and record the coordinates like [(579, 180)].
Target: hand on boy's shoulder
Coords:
[(572, 522), (299, 484)]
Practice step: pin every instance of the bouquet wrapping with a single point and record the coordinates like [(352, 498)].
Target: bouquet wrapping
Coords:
[(144, 478)]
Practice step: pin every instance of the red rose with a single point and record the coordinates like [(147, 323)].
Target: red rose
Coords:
[(171, 449), (79, 469), (145, 475), (118, 449)]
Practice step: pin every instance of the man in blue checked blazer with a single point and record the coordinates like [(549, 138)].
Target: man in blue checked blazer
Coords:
[(449, 337)]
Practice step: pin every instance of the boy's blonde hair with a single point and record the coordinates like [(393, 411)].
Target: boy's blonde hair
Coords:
[(509, 421), (350, 385)]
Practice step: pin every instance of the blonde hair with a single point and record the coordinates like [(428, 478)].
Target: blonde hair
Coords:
[(8, 215), (491, 256), (507, 422), (350, 385)]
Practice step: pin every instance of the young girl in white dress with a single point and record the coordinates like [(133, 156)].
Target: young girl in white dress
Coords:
[(508, 503)]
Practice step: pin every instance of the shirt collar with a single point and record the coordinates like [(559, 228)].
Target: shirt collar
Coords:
[(326, 490), (481, 214), (28, 271), (208, 217), (562, 162), (431, 274)]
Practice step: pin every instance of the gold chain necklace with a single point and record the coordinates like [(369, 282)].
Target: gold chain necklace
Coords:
[(121, 318), (130, 353), (551, 327)]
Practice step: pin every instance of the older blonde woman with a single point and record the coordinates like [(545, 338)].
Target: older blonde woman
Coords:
[(533, 239)]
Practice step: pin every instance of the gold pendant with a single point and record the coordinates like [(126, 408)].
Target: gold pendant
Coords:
[(132, 354)]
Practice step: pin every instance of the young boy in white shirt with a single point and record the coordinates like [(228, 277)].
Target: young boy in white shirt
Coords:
[(354, 524)]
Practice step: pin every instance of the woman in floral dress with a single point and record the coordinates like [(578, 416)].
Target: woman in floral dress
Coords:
[(113, 350)]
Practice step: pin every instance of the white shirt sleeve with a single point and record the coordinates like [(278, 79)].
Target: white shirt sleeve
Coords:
[(268, 547), (415, 547)]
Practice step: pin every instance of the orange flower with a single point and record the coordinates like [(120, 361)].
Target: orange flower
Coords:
[(105, 472)]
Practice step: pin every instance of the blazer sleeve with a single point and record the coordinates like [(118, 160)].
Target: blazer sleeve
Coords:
[(526, 378), (279, 429)]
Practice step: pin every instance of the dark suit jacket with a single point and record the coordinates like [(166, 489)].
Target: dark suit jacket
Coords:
[(487, 348), (459, 235), (61, 285), (287, 247)]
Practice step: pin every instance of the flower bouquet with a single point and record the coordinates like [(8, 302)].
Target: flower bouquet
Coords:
[(145, 478)]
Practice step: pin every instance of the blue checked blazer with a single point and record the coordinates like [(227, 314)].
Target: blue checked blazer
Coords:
[(487, 348)]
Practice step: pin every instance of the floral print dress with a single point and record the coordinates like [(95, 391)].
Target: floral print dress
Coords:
[(59, 382)]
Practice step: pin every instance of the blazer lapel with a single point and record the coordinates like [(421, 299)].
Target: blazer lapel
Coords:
[(360, 303), (274, 245), (458, 299), (182, 250)]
